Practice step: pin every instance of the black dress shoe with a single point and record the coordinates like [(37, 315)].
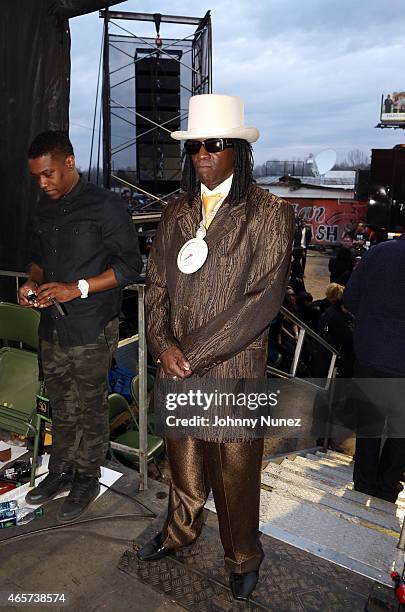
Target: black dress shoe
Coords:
[(49, 487), (243, 585), (154, 549), (84, 490)]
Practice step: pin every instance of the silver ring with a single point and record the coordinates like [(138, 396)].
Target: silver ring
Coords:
[(175, 377), (50, 298)]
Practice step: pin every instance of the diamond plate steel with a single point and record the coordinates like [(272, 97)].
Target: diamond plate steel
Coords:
[(333, 501), (287, 473), (291, 580)]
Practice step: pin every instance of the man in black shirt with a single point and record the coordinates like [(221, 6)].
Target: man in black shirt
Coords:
[(85, 250), (360, 237)]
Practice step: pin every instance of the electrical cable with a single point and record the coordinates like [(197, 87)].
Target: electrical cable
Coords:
[(92, 519), (95, 106), (151, 515), (87, 127), (99, 147)]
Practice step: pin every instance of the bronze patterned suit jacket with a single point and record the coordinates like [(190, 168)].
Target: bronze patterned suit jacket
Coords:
[(219, 316)]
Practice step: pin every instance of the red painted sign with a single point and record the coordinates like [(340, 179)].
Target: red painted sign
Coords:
[(328, 217)]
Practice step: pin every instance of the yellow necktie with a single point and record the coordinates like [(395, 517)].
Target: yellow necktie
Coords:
[(209, 202)]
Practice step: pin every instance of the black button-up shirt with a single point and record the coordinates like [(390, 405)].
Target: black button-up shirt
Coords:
[(80, 236)]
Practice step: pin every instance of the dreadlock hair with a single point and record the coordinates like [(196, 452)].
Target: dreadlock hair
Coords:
[(242, 176)]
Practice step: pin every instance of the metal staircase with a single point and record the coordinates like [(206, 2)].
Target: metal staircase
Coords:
[(308, 502)]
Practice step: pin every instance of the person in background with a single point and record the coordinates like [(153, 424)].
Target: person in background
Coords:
[(336, 327), (380, 234), (297, 232), (347, 241), (297, 273), (340, 264), (302, 239), (289, 330), (375, 295), (360, 236), (332, 294), (344, 278), (306, 237), (290, 300), (349, 228), (388, 104), (306, 310)]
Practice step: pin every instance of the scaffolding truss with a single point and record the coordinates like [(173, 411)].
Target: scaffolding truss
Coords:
[(147, 83)]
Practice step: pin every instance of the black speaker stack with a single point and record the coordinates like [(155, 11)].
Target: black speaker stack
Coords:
[(158, 156)]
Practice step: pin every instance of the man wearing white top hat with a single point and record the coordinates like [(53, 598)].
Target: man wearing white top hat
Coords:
[(216, 278)]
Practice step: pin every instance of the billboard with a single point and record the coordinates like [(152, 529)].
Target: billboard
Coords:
[(393, 108)]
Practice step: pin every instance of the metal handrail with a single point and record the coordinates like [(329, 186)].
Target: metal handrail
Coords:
[(328, 389), (304, 330), (307, 329), (142, 370)]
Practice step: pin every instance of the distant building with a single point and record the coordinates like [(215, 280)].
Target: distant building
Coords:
[(325, 202)]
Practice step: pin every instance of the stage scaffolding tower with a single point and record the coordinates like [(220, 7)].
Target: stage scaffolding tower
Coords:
[(147, 82)]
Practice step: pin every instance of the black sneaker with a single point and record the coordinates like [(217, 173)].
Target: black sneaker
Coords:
[(49, 487), (84, 490)]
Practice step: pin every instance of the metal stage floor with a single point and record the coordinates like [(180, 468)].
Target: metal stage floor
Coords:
[(95, 565), (291, 580)]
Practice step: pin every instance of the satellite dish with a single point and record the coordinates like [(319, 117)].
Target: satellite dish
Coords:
[(325, 160)]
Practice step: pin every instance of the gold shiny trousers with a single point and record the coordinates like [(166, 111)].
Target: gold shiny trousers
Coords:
[(232, 471)]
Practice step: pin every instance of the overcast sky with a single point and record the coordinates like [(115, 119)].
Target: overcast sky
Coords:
[(311, 72)]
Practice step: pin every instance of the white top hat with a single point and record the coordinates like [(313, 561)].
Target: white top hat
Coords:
[(216, 116)]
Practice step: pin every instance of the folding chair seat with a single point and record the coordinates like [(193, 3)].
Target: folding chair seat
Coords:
[(19, 383), (155, 444)]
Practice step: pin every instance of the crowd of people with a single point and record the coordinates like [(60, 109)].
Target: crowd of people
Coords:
[(328, 317), (361, 317)]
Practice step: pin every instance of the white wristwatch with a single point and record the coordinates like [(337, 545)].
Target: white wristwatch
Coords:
[(83, 288)]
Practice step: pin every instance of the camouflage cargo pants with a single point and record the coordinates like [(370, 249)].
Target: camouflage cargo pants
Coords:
[(77, 386)]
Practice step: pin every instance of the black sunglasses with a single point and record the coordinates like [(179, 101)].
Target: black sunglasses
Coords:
[(211, 145)]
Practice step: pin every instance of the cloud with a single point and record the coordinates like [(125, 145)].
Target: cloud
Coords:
[(311, 73)]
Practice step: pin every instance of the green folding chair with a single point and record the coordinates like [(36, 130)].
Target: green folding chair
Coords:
[(119, 416), (117, 404), (135, 395), (19, 383), (130, 438)]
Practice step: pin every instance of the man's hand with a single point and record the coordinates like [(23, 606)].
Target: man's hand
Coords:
[(23, 291), (174, 363), (61, 292)]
